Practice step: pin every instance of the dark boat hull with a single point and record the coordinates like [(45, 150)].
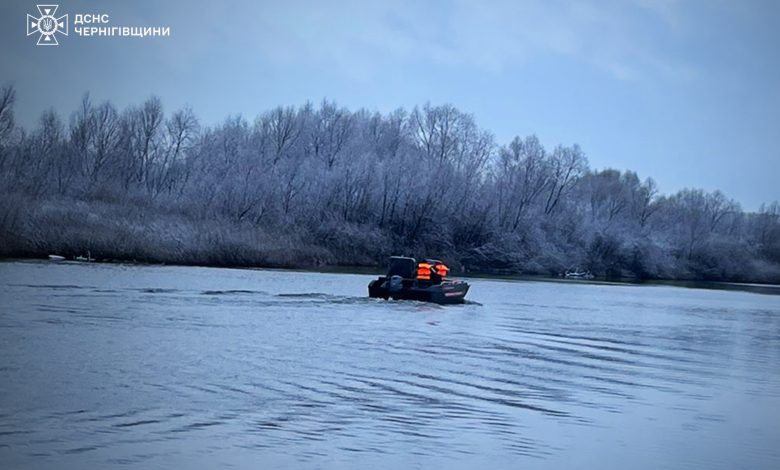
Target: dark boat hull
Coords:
[(448, 292)]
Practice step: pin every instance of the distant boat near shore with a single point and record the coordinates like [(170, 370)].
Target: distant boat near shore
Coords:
[(577, 274), (80, 258), (87, 259)]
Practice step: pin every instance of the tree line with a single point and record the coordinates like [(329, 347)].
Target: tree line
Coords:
[(322, 185)]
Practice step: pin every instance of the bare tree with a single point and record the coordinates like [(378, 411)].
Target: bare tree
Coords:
[(523, 172), (567, 164), (284, 128), (7, 100)]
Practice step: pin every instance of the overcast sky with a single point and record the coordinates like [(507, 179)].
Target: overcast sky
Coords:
[(686, 92)]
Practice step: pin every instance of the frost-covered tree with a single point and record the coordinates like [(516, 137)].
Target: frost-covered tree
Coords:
[(324, 184)]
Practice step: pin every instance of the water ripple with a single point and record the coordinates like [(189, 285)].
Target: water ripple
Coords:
[(155, 367)]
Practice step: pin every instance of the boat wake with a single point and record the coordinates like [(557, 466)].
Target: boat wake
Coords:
[(233, 292), (323, 298)]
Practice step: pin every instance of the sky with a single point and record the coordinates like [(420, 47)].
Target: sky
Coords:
[(685, 92)]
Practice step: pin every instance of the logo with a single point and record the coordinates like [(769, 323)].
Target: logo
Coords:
[(47, 25)]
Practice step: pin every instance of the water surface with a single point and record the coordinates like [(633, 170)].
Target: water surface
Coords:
[(110, 366)]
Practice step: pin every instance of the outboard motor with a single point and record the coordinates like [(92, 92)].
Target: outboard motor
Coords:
[(395, 283)]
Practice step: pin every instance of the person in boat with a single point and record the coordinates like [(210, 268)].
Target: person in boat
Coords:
[(432, 270), (424, 272), (439, 271)]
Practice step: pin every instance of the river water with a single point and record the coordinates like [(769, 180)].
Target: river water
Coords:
[(111, 366)]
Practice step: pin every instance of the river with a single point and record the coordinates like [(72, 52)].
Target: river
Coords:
[(114, 366)]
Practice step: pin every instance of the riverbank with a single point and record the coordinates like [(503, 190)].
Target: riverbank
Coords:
[(758, 288), (155, 233)]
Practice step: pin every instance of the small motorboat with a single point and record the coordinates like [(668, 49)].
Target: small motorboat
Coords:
[(577, 274), (56, 258), (85, 259), (401, 283)]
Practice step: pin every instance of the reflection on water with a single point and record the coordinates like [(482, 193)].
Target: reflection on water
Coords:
[(166, 367)]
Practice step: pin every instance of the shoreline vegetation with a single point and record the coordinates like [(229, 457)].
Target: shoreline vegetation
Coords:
[(322, 186)]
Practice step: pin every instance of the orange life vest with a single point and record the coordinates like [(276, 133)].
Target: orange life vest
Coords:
[(441, 270), (424, 271)]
